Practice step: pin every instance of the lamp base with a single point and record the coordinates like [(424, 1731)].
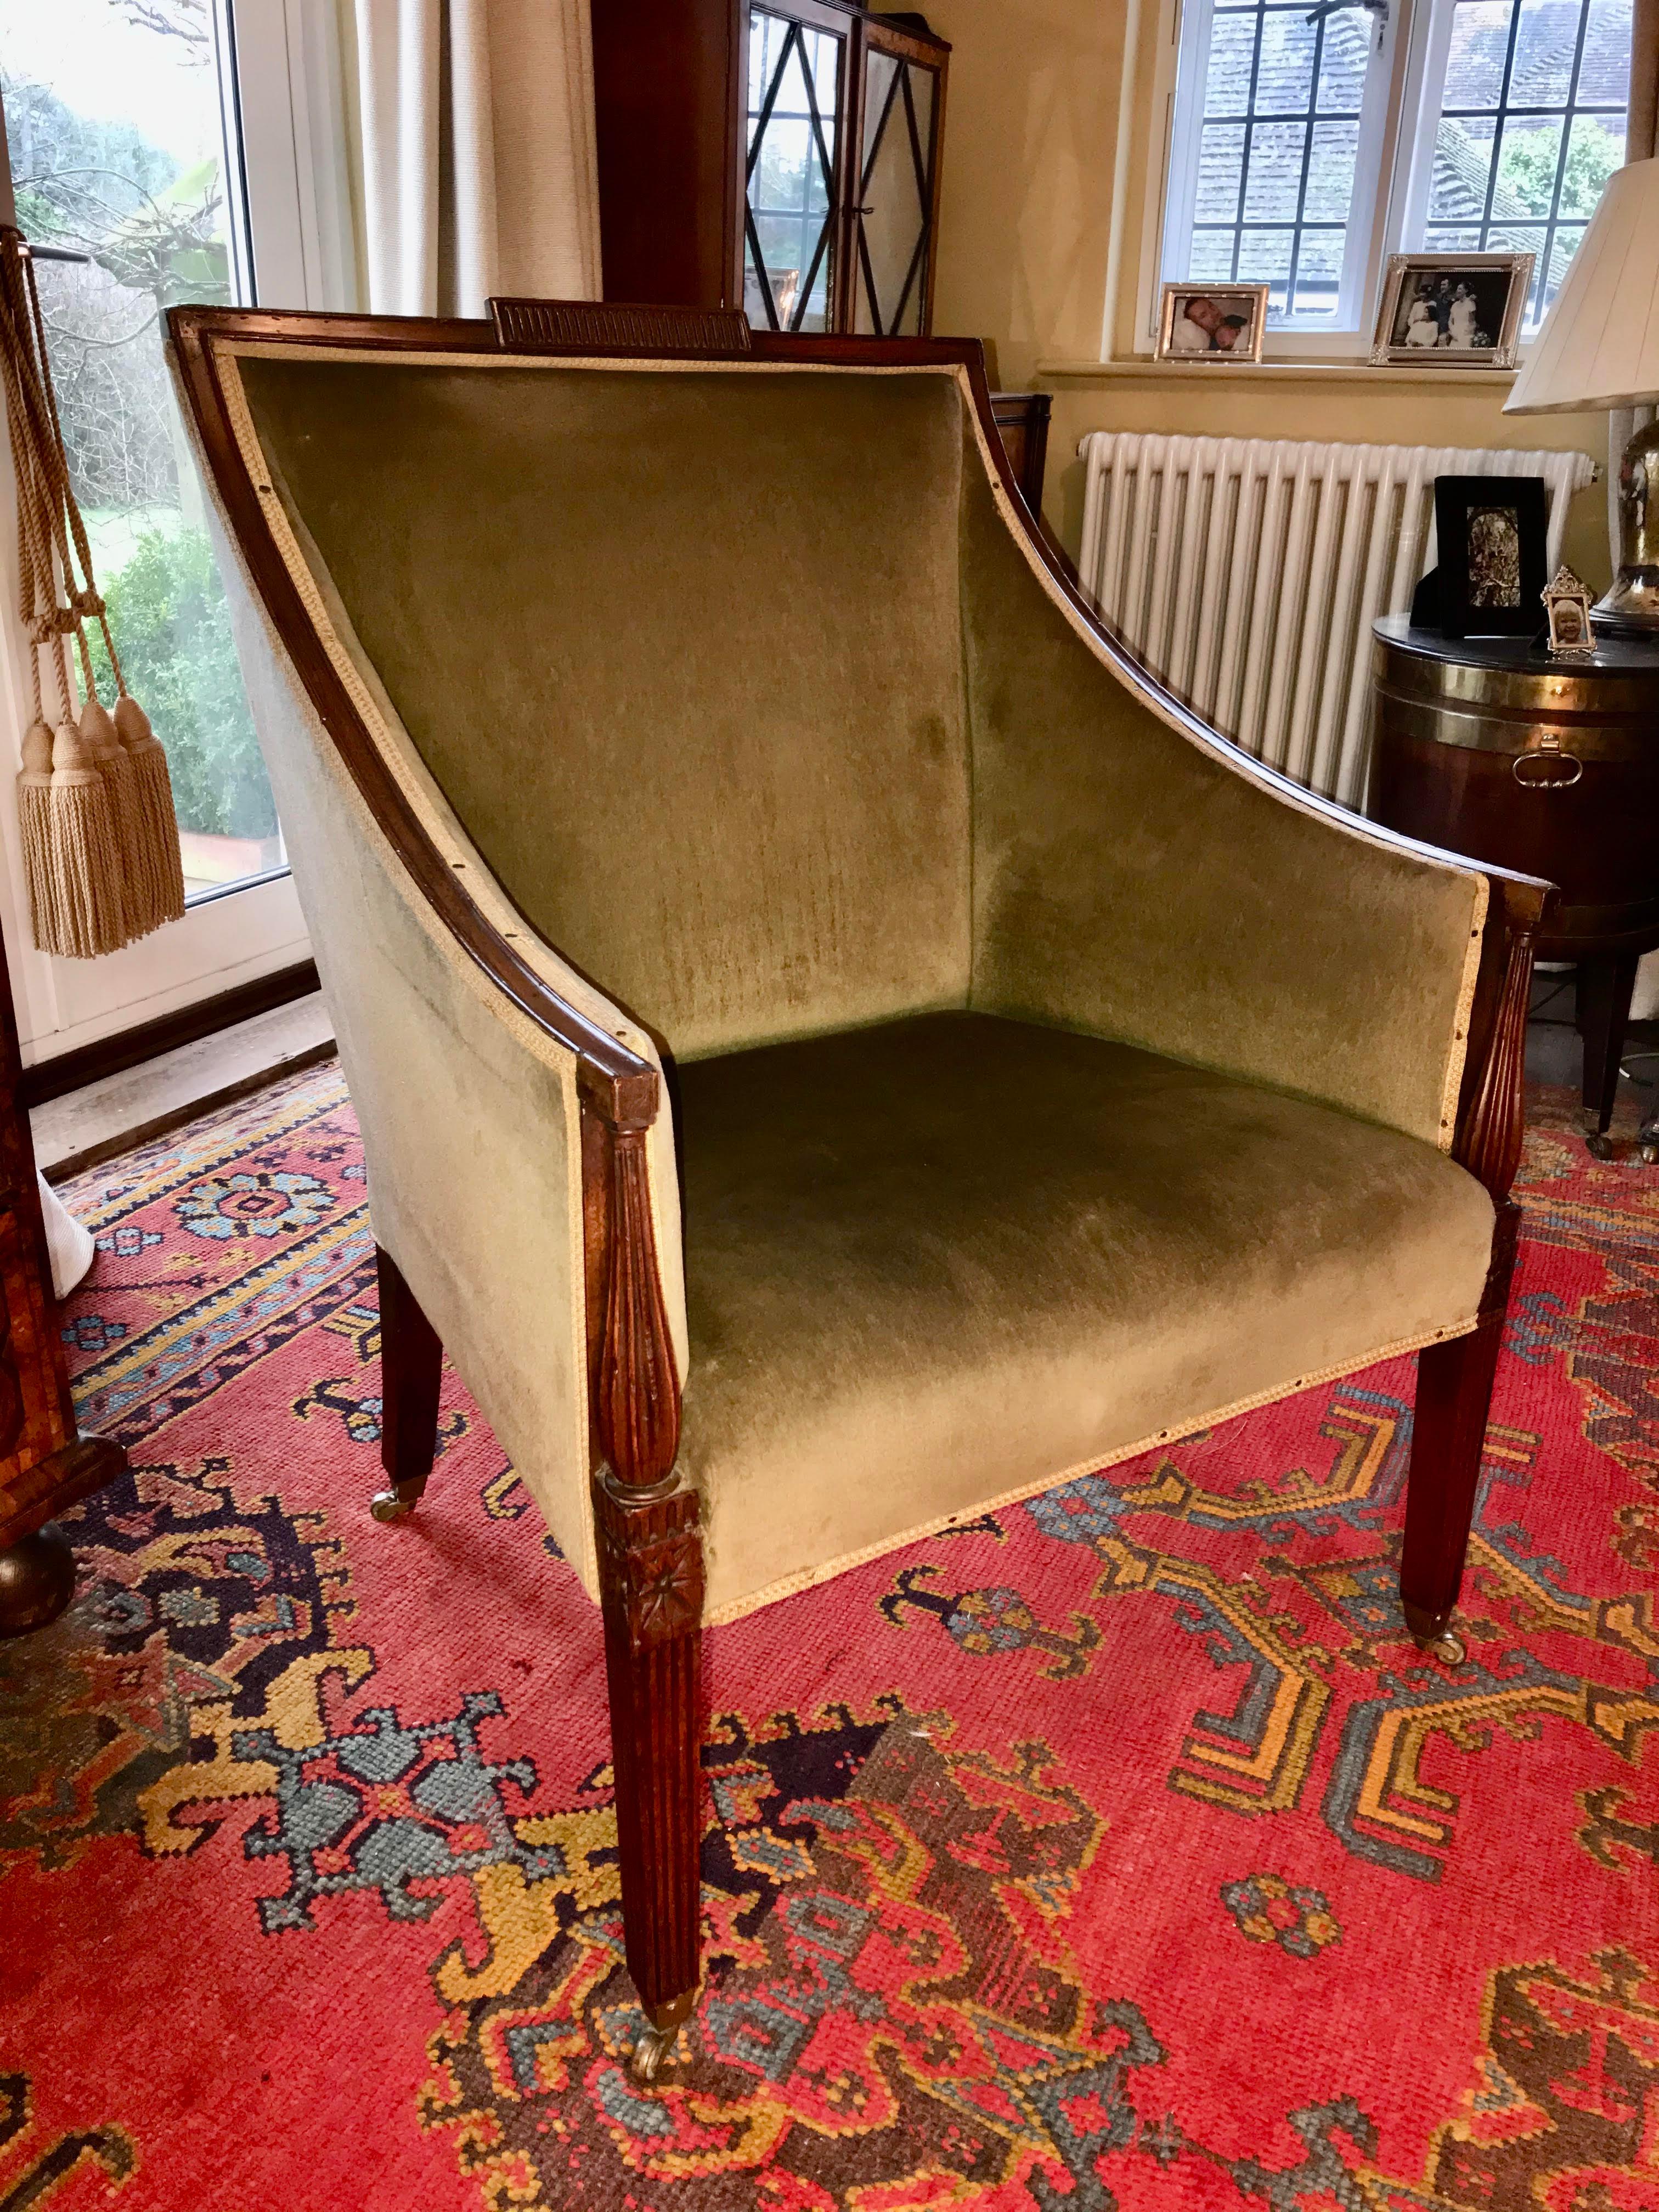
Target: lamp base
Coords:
[(1630, 606), (1633, 604)]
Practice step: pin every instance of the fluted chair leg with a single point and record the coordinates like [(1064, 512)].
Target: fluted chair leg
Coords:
[(651, 1588), (1453, 1399), (651, 1581), (411, 1371)]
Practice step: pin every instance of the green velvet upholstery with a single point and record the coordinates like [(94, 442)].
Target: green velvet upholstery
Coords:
[(1242, 932), (1042, 1081), (733, 789), (974, 1255)]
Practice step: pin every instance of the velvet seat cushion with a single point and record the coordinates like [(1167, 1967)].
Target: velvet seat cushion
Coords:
[(947, 1259)]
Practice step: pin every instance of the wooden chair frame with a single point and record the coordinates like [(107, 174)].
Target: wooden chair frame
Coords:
[(650, 1547)]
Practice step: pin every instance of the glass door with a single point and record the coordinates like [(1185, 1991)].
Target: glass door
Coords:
[(796, 70), (123, 133), (897, 179)]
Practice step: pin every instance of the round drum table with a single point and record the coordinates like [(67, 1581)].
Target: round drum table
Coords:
[(1492, 747)]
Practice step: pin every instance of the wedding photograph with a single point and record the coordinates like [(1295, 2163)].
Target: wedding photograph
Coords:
[(1446, 309)]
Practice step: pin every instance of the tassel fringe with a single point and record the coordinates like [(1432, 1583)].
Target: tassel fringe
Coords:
[(156, 861), (86, 854), (95, 803), (34, 821)]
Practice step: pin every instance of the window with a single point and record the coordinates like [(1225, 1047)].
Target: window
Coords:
[(1527, 98), (1280, 170), (128, 184), (1283, 117), (174, 158)]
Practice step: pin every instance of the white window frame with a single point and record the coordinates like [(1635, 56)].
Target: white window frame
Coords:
[(1426, 75), (1416, 43), (287, 81), (1369, 180), (284, 77)]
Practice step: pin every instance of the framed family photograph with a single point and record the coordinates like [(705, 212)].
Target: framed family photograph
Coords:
[(1567, 604), (1452, 310), (1212, 322), (1492, 533)]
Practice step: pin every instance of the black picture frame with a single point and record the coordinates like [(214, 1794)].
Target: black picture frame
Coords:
[(1492, 533)]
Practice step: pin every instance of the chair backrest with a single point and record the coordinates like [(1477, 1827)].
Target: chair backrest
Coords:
[(732, 790)]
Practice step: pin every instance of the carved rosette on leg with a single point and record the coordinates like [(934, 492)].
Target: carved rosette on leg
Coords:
[(1454, 1379), (651, 1584), (651, 1573)]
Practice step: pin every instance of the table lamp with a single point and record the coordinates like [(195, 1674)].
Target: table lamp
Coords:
[(1599, 347)]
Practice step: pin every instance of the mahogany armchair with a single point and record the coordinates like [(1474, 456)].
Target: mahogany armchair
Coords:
[(662, 713)]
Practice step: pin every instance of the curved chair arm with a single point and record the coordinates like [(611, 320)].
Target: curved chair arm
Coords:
[(620, 1083), (1490, 1113), (1138, 875), (516, 1125)]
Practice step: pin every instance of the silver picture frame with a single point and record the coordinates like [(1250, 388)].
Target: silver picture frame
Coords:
[(1247, 301), (1403, 287)]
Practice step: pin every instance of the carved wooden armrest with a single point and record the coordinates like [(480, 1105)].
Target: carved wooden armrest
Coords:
[(1491, 1106)]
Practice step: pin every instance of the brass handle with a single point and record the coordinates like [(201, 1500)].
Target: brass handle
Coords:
[(1551, 769)]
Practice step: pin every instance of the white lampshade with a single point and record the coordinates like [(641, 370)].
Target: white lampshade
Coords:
[(1600, 343)]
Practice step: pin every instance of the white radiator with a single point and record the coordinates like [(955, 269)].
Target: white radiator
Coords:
[(1247, 572)]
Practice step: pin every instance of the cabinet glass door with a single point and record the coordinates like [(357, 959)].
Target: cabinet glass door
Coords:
[(896, 193), (789, 213)]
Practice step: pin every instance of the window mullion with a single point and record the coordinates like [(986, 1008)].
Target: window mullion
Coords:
[(1250, 134), (1542, 275), (1307, 163), (1498, 121)]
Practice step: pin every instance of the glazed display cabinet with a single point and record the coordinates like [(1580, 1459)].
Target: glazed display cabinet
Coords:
[(783, 159)]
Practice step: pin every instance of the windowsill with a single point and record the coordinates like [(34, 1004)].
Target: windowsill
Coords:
[(1144, 370)]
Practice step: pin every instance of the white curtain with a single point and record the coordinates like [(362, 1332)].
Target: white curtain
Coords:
[(1641, 140), (476, 123)]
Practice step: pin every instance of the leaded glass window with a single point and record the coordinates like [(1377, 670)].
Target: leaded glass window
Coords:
[(795, 74), (1280, 169), (1279, 109), (1526, 103)]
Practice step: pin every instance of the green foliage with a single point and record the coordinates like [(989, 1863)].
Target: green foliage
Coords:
[(1527, 166), (166, 609), (60, 158)]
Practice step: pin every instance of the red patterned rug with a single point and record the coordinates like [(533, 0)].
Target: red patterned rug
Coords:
[(1118, 1849)]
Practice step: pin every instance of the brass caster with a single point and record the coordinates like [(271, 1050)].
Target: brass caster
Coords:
[(1648, 1153), (652, 2049), (388, 1506), (659, 2034), (37, 1580), (1449, 1649)]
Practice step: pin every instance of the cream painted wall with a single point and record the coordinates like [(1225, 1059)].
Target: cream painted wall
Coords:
[(1047, 135)]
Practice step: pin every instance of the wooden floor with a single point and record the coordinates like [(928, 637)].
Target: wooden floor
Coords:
[(86, 1127)]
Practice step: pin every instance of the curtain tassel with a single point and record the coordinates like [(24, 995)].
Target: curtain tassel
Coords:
[(154, 848), (100, 844), (34, 821), (85, 847)]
